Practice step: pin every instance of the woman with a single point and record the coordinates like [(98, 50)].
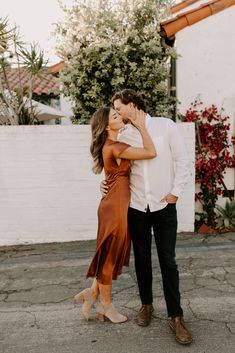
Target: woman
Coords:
[(113, 241)]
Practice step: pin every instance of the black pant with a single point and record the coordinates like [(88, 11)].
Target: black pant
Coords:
[(164, 225)]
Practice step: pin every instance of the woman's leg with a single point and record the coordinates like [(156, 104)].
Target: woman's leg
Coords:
[(105, 294), (106, 308), (95, 289)]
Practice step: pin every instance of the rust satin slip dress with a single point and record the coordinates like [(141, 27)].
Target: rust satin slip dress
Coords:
[(113, 240)]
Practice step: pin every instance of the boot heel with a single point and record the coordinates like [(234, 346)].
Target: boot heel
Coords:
[(101, 317), (79, 297), (111, 313)]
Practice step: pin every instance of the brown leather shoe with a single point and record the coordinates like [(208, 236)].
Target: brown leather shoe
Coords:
[(182, 335), (144, 315)]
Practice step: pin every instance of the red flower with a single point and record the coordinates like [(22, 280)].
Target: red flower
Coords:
[(212, 153)]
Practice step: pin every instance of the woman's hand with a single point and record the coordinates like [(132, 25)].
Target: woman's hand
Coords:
[(138, 120), (148, 150)]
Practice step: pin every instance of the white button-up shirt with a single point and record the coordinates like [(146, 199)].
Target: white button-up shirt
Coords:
[(151, 180)]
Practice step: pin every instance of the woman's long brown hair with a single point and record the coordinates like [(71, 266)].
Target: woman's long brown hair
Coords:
[(99, 123)]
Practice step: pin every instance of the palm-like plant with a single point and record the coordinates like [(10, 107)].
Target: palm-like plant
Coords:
[(33, 61), (226, 215), (17, 106), (6, 34)]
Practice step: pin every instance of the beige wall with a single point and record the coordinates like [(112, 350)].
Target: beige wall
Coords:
[(47, 190)]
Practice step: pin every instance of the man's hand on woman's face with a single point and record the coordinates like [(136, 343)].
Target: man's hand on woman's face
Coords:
[(103, 187)]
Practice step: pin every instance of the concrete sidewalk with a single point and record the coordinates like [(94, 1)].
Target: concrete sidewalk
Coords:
[(37, 313)]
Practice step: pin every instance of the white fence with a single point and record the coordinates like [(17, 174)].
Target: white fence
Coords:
[(48, 192)]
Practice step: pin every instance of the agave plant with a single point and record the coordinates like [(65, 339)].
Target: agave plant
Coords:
[(226, 215)]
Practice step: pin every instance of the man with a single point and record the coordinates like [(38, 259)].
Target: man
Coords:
[(155, 187)]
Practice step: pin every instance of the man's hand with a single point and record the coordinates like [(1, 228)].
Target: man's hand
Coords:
[(103, 187), (170, 198)]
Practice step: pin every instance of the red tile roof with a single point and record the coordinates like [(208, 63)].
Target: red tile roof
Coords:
[(181, 5), (194, 15), (55, 69), (46, 84)]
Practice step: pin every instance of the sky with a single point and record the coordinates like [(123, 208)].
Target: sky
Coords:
[(35, 20)]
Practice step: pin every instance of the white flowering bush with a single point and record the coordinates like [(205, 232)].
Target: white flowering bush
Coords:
[(110, 45)]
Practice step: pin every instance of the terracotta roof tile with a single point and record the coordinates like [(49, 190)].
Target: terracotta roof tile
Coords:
[(47, 83), (194, 15), (55, 69), (181, 5)]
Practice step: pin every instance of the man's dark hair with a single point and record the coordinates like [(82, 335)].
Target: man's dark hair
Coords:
[(130, 96)]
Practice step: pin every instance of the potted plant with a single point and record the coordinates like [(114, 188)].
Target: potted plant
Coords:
[(226, 216)]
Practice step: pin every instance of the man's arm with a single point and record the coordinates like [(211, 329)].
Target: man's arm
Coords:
[(103, 187)]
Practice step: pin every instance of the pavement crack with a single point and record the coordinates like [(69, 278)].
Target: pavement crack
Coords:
[(190, 309), (228, 281), (71, 308), (5, 299), (35, 324), (190, 263), (15, 291), (39, 303), (5, 296), (229, 328), (18, 291)]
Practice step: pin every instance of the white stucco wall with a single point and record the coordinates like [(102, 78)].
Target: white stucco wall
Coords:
[(48, 192), (206, 63), (186, 203), (66, 107), (206, 67)]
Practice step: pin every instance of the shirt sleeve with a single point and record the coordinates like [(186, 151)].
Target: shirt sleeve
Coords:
[(180, 158), (118, 148)]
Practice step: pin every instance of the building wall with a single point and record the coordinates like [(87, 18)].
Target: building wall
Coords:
[(48, 192), (206, 67), (66, 107)]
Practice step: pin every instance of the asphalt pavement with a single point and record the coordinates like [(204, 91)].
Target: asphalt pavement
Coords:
[(38, 315)]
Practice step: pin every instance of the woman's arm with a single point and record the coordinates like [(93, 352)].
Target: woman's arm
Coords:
[(148, 151)]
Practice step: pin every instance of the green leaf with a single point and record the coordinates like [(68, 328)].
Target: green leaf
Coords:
[(110, 46)]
